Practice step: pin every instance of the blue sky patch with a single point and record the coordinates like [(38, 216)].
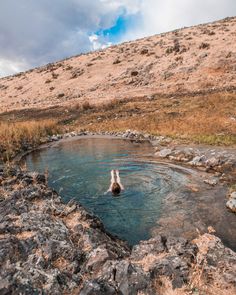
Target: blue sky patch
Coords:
[(123, 25)]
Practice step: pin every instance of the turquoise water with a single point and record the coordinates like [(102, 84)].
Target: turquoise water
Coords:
[(80, 169)]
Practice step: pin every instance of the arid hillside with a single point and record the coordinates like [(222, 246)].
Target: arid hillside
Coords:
[(179, 84), (189, 60)]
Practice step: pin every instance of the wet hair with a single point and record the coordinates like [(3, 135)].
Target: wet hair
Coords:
[(115, 189)]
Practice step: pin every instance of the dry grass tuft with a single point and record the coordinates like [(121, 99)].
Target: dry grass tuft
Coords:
[(86, 106), (16, 137), (163, 286)]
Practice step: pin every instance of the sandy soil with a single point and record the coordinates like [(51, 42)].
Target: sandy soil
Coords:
[(182, 61)]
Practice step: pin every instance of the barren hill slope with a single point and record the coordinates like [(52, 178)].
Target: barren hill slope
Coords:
[(188, 60)]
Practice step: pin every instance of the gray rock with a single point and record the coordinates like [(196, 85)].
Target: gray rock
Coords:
[(198, 161), (233, 195), (213, 161), (97, 258), (54, 138), (41, 249), (164, 153), (212, 181), (48, 247), (97, 287), (231, 204)]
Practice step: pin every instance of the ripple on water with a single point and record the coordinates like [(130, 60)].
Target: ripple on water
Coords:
[(80, 169)]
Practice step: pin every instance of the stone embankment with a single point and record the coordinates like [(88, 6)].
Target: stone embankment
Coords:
[(128, 134), (48, 247)]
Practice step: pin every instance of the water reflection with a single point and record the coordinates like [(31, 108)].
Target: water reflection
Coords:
[(81, 170)]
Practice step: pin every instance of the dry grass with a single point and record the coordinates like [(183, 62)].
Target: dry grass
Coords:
[(86, 106), (15, 137), (209, 119), (232, 188), (163, 286)]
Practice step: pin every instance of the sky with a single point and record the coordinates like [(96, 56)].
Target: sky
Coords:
[(34, 33)]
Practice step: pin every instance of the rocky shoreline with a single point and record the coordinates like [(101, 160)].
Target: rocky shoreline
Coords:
[(48, 247)]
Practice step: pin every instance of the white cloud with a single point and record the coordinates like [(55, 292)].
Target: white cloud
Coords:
[(159, 16), (43, 31), (11, 67), (98, 42), (131, 6)]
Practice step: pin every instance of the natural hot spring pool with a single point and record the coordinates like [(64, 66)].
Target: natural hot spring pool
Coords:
[(80, 169)]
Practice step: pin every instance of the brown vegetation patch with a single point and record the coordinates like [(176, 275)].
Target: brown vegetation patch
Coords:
[(25, 235), (164, 287), (61, 263), (19, 136), (74, 219), (206, 118)]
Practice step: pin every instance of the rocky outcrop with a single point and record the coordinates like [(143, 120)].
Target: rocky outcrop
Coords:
[(45, 244), (128, 134), (209, 159), (48, 247)]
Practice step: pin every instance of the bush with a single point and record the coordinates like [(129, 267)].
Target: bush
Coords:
[(16, 137), (86, 106)]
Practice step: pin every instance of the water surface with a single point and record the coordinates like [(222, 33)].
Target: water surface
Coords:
[(81, 170), (159, 197)]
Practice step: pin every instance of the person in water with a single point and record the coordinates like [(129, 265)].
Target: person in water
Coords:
[(116, 187)]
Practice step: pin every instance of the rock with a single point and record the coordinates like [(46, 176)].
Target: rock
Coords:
[(126, 277), (217, 257), (213, 161), (159, 140), (97, 258), (198, 161), (183, 155), (48, 247), (212, 181), (97, 287), (164, 153), (172, 265), (60, 95), (54, 138), (134, 73), (233, 195), (45, 244), (116, 61), (144, 51), (203, 55), (231, 203)]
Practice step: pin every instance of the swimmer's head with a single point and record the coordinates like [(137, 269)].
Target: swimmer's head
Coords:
[(115, 189)]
